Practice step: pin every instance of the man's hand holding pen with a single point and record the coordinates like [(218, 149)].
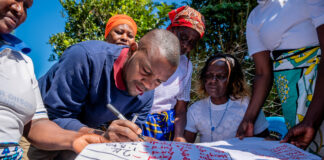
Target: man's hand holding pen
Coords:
[(123, 131)]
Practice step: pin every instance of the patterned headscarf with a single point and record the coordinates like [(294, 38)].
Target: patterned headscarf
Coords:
[(120, 19), (187, 17)]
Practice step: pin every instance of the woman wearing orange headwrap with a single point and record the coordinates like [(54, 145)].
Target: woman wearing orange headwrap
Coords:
[(120, 30)]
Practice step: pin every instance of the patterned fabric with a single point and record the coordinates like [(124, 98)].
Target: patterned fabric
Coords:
[(187, 17), (295, 75), (160, 125), (11, 153)]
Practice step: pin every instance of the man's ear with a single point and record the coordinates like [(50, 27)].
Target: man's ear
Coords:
[(132, 48)]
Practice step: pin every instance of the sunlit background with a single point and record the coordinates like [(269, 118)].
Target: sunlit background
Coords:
[(44, 19)]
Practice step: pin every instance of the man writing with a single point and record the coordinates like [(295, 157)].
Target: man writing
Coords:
[(92, 74)]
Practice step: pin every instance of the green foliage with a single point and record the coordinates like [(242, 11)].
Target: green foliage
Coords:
[(225, 32), (86, 19)]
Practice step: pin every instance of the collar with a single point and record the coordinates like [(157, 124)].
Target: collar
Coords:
[(118, 67), (14, 43)]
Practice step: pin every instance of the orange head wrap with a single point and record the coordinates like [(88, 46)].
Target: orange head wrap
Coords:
[(120, 19), (187, 17)]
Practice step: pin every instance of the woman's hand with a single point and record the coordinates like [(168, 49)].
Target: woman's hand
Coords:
[(300, 135), (179, 139), (245, 129)]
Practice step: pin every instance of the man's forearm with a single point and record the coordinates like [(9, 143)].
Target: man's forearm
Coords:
[(47, 135)]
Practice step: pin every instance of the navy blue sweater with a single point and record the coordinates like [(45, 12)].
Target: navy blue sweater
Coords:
[(76, 90)]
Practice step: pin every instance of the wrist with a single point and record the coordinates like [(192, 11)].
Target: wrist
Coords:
[(72, 138), (310, 122), (251, 115), (97, 132)]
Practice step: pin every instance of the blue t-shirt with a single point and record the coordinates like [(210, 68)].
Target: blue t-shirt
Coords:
[(77, 89)]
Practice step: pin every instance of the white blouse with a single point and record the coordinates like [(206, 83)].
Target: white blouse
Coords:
[(225, 118), (177, 87), (284, 24), (20, 98)]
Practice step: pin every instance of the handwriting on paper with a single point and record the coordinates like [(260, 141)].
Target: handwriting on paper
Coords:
[(152, 151)]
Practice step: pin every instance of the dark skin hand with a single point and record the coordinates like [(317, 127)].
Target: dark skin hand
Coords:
[(123, 131), (190, 136), (262, 84), (302, 134)]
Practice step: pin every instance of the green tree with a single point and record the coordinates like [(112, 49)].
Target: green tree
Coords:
[(86, 19), (225, 32)]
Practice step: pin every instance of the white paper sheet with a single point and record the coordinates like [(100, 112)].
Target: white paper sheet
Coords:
[(247, 149), (259, 149), (150, 151)]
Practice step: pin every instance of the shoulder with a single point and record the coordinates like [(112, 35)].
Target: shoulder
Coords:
[(92, 52), (96, 48), (198, 105), (146, 97), (185, 67), (184, 61), (253, 14), (241, 103)]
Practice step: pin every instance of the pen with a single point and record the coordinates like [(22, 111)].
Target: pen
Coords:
[(115, 112), (134, 118), (120, 116)]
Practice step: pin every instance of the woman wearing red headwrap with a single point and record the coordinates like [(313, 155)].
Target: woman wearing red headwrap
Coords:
[(120, 30), (167, 117)]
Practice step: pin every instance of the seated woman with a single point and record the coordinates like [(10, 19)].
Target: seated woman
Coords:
[(218, 116), (120, 30)]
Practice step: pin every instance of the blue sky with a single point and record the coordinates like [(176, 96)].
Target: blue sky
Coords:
[(44, 19)]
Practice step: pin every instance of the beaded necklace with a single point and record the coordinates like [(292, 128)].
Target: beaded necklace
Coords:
[(212, 128)]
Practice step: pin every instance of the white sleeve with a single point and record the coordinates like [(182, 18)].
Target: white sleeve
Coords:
[(260, 124), (316, 9), (254, 42), (41, 111), (191, 123), (185, 94)]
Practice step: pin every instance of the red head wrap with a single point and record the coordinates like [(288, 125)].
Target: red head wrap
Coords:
[(187, 17)]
